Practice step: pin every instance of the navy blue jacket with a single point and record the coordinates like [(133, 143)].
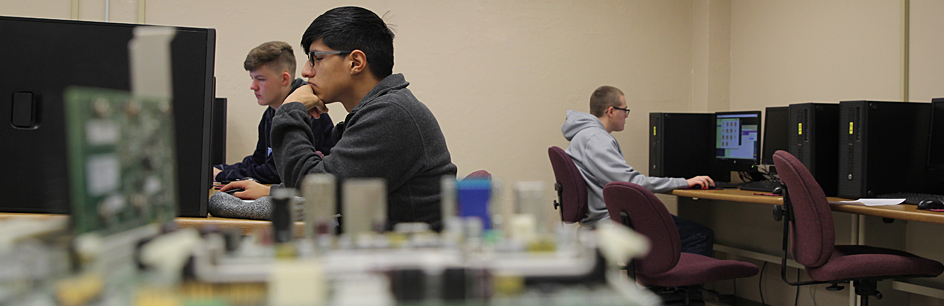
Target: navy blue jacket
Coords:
[(260, 165)]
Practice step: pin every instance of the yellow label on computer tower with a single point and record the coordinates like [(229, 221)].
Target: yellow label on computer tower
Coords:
[(850, 128), (800, 128), (653, 130)]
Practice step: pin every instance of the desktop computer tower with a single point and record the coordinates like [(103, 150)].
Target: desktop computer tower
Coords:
[(218, 132), (813, 134), (883, 148), (32, 112), (682, 144)]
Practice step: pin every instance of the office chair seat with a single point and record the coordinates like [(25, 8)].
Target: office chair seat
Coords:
[(693, 269), (862, 261)]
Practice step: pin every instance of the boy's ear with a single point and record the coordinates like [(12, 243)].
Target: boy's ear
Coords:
[(358, 61), (286, 79)]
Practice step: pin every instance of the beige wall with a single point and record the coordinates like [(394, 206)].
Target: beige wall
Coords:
[(499, 75), (926, 50)]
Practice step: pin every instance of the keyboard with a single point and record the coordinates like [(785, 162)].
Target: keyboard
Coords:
[(726, 185), (911, 197), (766, 185)]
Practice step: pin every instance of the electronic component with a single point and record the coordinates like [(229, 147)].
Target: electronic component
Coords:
[(121, 160)]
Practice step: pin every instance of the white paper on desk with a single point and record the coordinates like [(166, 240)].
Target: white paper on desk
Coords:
[(871, 202)]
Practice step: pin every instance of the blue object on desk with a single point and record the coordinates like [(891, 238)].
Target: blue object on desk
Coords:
[(473, 196)]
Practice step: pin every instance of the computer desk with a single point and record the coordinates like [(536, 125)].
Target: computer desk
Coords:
[(900, 212), (246, 226)]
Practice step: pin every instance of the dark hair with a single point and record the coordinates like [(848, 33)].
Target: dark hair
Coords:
[(604, 97), (354, 28), (277, 55)]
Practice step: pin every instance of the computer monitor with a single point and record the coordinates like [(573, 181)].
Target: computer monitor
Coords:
[(737, 140), (936, 136), (41, 57), (776, 132)]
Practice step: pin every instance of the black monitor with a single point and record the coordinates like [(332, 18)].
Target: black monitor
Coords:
[(776, 132), (936, 136), (737, 140), (41, 57)]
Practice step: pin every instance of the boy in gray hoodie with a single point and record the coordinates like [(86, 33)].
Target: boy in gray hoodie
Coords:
[(388, 133), (600, 160)]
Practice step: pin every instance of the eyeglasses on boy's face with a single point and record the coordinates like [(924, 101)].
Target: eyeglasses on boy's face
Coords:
[(315, 56), (622, 109)]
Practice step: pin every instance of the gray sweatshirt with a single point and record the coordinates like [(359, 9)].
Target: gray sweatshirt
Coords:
[(600, 161), (389, 134)]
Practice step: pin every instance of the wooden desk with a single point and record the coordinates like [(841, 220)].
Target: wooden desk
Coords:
[(901, 212), (246, 226)]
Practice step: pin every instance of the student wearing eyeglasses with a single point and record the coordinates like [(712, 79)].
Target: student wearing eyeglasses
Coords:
[(600, 160), (271, 66), (388, 133)]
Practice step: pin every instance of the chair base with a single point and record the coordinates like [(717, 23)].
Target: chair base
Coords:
[(690, 295)]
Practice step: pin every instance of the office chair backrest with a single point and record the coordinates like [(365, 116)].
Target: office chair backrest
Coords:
[(648, 216), (479, 174), (814, 235), (573, 190)]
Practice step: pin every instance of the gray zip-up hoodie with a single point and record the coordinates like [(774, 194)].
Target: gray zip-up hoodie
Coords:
[(600, 161), (389, 134)]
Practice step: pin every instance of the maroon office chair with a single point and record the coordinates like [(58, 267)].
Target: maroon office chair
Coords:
[(479, 174), (666, 266), (570, 187), (809, 220)]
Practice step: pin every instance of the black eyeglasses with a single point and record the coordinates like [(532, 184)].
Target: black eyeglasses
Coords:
[(312, 55), (623, 109)]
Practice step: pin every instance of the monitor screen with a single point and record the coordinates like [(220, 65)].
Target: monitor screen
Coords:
[(776, 132), (737, 139), (45, 56), (936, 135)]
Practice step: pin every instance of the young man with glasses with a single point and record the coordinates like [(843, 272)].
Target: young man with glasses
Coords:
[(387, 133), (600, 160), (271, 66)]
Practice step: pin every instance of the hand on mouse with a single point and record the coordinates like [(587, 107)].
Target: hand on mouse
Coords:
[(702, 180), (251, 190)]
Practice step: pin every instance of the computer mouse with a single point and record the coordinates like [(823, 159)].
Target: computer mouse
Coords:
[(699, 186), (234, 191), (930, 204), (777, 190)]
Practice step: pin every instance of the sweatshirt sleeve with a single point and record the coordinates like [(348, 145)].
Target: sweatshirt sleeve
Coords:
[(260, 165), (293, 144), (607, 161)]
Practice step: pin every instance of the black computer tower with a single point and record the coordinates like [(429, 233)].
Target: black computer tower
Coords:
[(813, 134), (218, 132), (883, 148), (682, 144)]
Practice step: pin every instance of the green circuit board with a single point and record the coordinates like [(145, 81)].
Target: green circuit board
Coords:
[(122, 167)]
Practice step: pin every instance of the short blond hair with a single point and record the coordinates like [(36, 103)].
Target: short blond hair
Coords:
[(603, 98), (278, 55)]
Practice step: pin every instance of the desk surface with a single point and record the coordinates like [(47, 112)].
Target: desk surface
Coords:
[(901, 212), (246, 226)]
